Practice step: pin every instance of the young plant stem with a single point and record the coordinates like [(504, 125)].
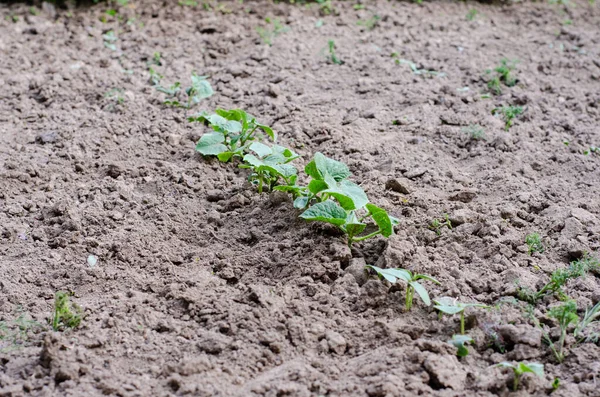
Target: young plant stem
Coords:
[(260, 184), (409, 297), (516, 382), (462, 322), (368, 236)]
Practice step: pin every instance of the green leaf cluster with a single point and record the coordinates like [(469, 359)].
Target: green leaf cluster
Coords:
[(198, 91), (66, 313), (508, 113), (522, 368), (269, 165), (460, 342), (233, 133), (451, 306)]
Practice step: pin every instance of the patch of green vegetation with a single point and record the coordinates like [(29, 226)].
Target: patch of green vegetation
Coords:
[(471, 14), (369, 23), (14, 333), (110, 39), (188, 3), (436, 225), (233, 132), (66, 313), (474, 131), (522, 368), (332, 56), (414, 68), (269, 165), (325, 7), (534, 243), (411, 279), (451, 306), (508, 113), (198, 91), (591, 150), (274, 29), (503, 75)]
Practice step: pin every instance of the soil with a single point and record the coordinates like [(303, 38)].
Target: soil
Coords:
[(203, 287)]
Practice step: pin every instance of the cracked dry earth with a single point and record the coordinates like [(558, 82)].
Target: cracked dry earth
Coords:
[(203, 287)]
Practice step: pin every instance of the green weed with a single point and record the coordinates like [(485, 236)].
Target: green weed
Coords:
[(276, 28), (198, 91), (66, 313), (474, 131), (534, 243), (411, 279), (451, 306), (269, 165), (436, 225), (110, 39), (522, 368), (332, 56), (508, 113)]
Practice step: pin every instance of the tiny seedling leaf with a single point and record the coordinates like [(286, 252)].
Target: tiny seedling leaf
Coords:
[(460, 342), (261, 149), (382, 219), (421, 291)]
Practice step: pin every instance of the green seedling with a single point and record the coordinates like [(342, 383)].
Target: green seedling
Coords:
[(451, 306), (188, 3), (156, 59), (471, 14), (591, 318), (565, 314), (358, 7), (534, 243), (14, 333), (155, 79), (110, 39), (412, 281), (199, 90), (522, 368), (555, 384), (460, 342), (504, 72), (332, 56), (233, 132), (269, 164), (494, 86), (436, 225), (592, 149), (66, 313), (415, 69), (508, 113), (370, 23), (268, 34), (474, 131), (325, 7), (559, 279)]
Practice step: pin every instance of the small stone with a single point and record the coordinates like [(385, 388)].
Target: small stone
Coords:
[(358, 270), (399, 185), (445, 371), (274, 90), (336, 342), (465, 196), (114, 171), (463, 216), (417, 172), (46, 138)]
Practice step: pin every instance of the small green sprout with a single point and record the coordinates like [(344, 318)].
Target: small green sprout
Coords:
[(509, 113), (66, 313), (188, 3), (436, 225), (494, 86), (592, 149), (474, 131), (460, 342), (325, 7), (534, 243), (451, 306), (156, 59), (233, 132), (334, 59), (155, 79), (565, 314), (110, 39), (504, 72), (269, 164), (267, 35), (590, 318), (522, 368), (393, 275), (471, 14), (555, 384)]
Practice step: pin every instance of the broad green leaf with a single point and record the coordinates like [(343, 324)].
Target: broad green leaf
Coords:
[(301, 202), (348, 194), (211, 144), (400, 273), (449, 309), (253, 160), (353, 226), (234, 114), (534, 368), (382, 273), (221, 123), (315, 186), (505, 364), (421, 291), (311, 170), (225, 156), (382, 219), (268, 131), (460, 341), (327, 211), (201, 88), (338, 170), (261, 149)]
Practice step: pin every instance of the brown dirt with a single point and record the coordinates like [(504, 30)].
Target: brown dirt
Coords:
[(205, 288)]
